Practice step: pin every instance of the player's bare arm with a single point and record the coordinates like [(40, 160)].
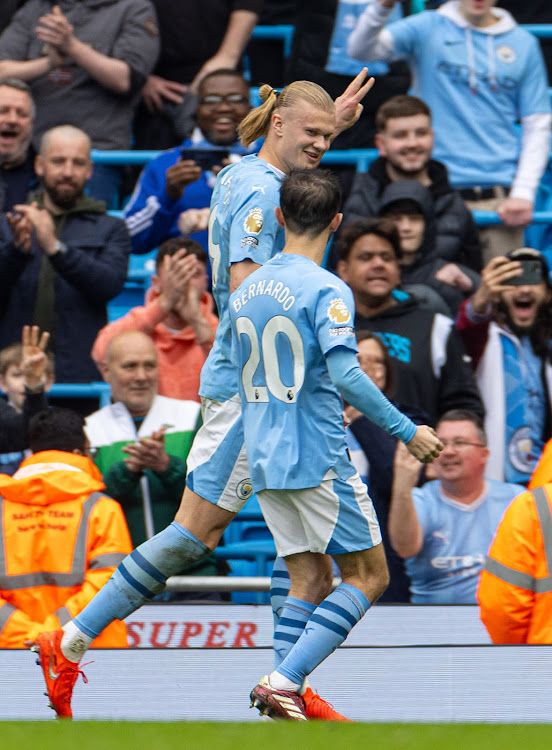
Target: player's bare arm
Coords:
[(240, 271)]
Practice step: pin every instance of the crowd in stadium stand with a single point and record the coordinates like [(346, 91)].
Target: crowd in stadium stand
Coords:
[(458, 121)]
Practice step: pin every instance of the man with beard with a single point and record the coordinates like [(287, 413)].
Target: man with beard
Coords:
[(17, 111), (506, 327), (61, 257), (173, 193), (404, 139)]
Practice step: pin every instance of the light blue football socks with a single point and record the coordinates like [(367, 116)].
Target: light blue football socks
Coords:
[(326, 629), (141, 576), (294, 616), (280, 584)]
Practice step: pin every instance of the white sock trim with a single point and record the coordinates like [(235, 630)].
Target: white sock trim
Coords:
[(74, 643), (279, 682)]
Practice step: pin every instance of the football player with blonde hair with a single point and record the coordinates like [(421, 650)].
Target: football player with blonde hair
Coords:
[(299, 125)]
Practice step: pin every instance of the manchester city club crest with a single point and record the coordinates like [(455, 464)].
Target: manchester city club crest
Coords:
[(505, 53), (519, 450), (244, 490)]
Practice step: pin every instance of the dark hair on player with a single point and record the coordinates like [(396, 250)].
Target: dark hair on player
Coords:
[(309, 200), (57, 429)]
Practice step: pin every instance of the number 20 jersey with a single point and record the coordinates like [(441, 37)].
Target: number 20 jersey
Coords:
[(242, 225), (286, 317)]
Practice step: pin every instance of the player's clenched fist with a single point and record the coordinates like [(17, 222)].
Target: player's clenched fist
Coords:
[(425, 445)]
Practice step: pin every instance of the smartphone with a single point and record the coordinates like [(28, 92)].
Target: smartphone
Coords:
[(206, 158), (531, 273)]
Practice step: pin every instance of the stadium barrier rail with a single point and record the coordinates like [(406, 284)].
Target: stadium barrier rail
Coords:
[(223, 583), (285, 33), (101, 391)]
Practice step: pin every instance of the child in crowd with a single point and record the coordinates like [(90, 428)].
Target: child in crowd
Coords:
[(26, 373)]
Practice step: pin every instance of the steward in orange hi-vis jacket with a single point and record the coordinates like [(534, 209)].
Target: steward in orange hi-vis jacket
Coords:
[(60, 541), (515, 589)]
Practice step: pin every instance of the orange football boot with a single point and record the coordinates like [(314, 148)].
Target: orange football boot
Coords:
[(316, 708), (60, 673)]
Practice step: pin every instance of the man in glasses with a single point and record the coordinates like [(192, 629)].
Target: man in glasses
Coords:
[(444, 529), (173, 193)]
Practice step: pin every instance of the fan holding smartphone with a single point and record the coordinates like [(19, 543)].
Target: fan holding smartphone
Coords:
[(506, 326), (173, 193)]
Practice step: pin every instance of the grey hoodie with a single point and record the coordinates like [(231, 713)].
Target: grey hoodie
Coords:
[(123, 29)]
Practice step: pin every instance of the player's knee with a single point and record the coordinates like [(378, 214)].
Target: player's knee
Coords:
[(371, 582), (381, 583), (312, 585)]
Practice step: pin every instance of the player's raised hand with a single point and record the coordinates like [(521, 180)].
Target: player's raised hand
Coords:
[(425, 445), (348, 105)]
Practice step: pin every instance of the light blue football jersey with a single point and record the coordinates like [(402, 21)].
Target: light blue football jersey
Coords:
[(242, 225), (456, 539), (286, 317), (474, 121)]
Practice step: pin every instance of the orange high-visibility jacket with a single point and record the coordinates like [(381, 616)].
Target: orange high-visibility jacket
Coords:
[(60, 541), (542, 473), (515, 588)]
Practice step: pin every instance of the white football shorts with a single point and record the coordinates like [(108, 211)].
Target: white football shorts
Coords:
[(335, 517), (217, 463)]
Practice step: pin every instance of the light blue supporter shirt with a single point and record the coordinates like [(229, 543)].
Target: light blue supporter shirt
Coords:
[(535, 408), (242, 225), (456, 538), (478, 86), (286, 318)]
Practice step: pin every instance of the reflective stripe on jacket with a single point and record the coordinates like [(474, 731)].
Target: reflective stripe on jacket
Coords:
[(515, 589), (60, 540)]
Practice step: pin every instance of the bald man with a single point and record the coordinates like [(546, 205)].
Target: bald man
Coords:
[(61, 257), (141, 440)]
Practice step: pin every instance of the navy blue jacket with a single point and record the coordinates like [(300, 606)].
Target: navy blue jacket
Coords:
[(88, 275)]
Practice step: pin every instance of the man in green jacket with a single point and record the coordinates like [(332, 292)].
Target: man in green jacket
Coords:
[(140, 441)]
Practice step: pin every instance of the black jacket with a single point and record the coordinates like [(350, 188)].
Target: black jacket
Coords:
[(16, 183), (434, 373), (14, 426), (456, 236), (309, 53), (87, 276), (428, 259), (379, 448)]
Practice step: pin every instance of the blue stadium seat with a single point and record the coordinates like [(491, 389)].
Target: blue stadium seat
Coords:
[(142, 267), (535, 234), (254, 558), (131, 296), (249, 524)]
